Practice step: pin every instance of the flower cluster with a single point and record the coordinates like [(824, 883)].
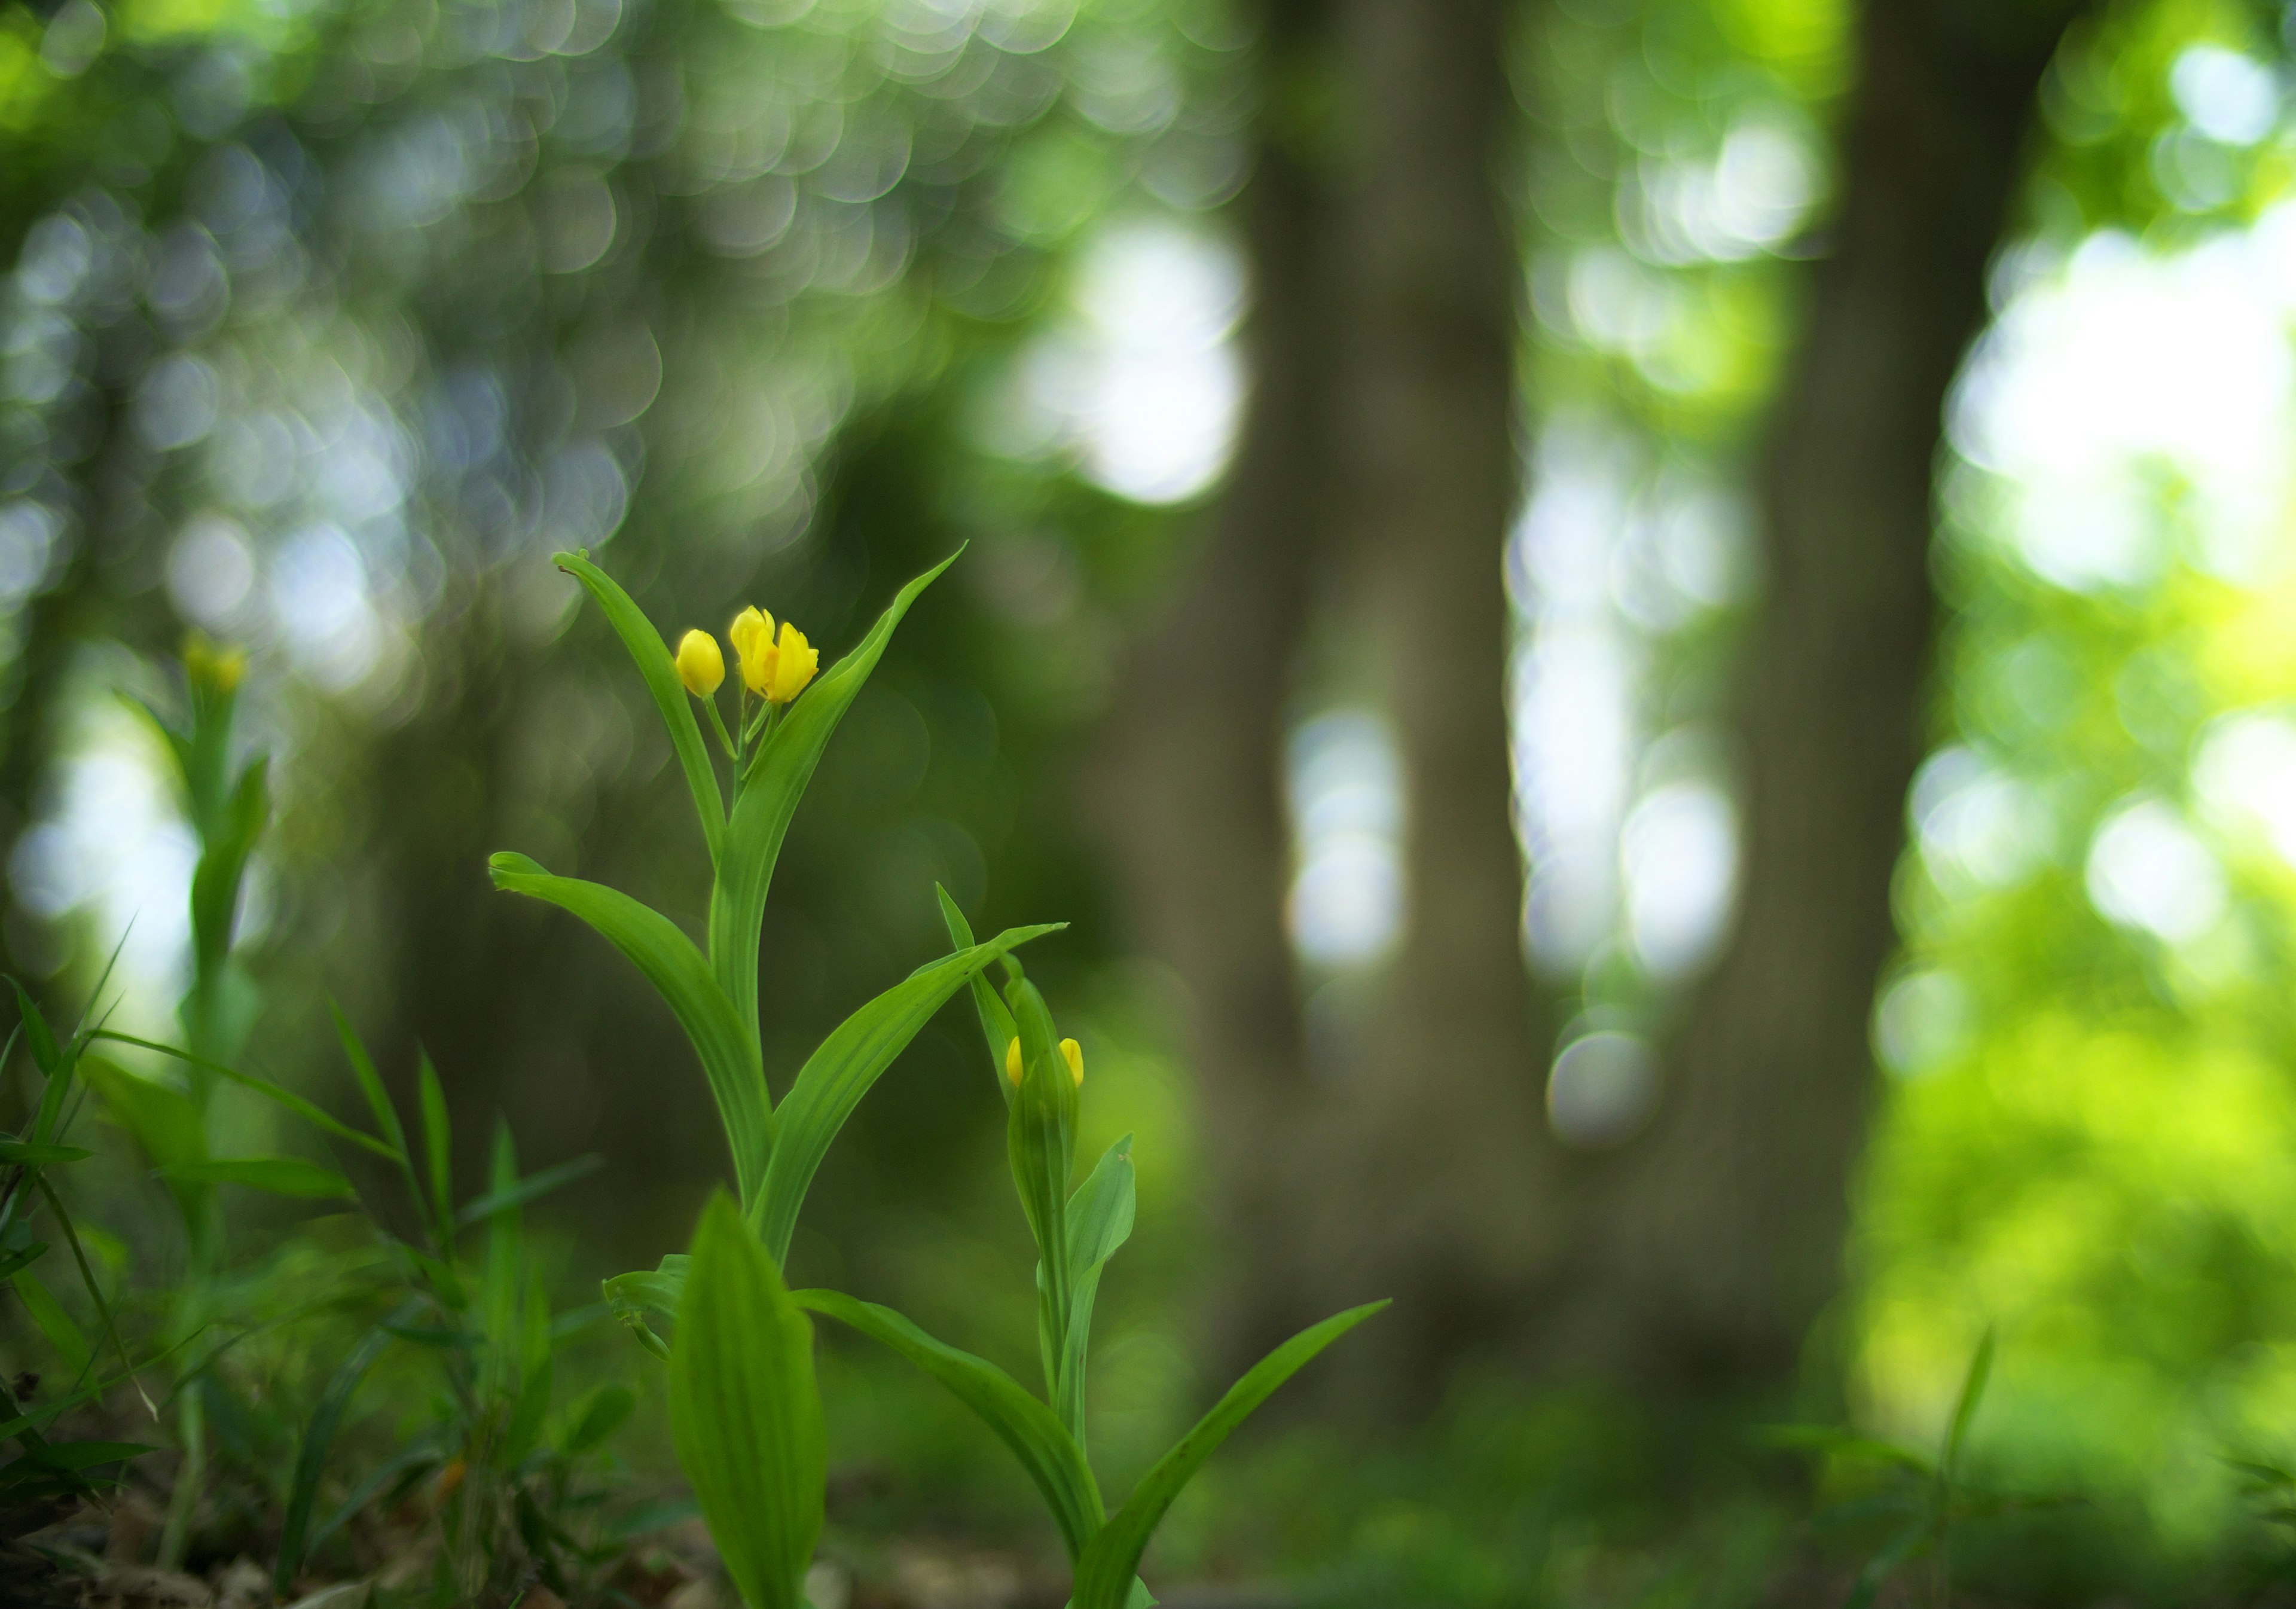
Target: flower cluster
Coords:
[(776, 672)]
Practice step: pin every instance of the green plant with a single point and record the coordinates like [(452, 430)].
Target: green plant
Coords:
[(228, 811), (745, 1414), (508, 1479), (1924, 1500), (44, 1467)]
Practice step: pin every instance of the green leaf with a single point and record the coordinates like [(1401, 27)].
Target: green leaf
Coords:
[(318, 1435), (1972, 1390), (1845, 1444), (1040, 1142), (1901, 1550), (162, 1118), (835, 1077), (534, 1375), (1104, 1578), (30, 1154), (996, 1021), (744, 1412), (602, 1413), (296, 1103), (437, 1146), (1099, 1221), (516, 1195), (767, 798), (378, 1099), (660, 1290), (47, 1056), (48, 1315), (659, 666), (276, 1175), (679, 975), (1023, 1423), (222, 865)]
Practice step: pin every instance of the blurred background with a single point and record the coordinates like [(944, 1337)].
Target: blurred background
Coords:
[(1650, 644)]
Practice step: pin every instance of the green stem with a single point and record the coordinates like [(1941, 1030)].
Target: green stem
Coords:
[(717, 722)]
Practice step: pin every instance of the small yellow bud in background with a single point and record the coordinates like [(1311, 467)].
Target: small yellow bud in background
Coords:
[(795, 660), (1072, 1054), (701, 663), (215, 669), (1012, 1062), (752, 634)]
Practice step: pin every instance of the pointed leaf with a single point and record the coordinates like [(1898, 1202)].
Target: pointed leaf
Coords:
[(744, 1412), (318, 1436), (767, 800), (32, 1153), (276, 1175), (48, 1315), (679, 975), (1023, 1422), (1099, 1221), (520, 1192), (1972, 1390), (270, 1091), (437, 1146), (1104, 1579), (835, 1077), (660, 668), (996, 1021)]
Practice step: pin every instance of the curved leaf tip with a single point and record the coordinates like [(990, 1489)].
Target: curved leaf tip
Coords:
[(509, 862)]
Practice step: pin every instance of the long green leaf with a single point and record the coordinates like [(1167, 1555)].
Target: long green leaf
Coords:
[(54, 1322), (1104, 1578), (995, 1022), (656, 664), (767, 798), (33, 1153), (288, 1099), (1972, 1392), (319, 1435), (1099, 1222), (835, 1077), (679, 975), (438, 1148), (1023, 1423), (222, 865), (275, 1174), (519, 1192), (744, 1412), (377, 1101)]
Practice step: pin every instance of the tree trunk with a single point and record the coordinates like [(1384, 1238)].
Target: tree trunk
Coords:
[(1193, 787), (1378, 455), (1443, 1152), (1730, 1215)]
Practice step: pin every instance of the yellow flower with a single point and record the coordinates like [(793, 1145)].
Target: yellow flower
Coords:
[(1012, 1062), (701, 663), (752, 632), (1072, 1054), (794, 661), (218, 670)]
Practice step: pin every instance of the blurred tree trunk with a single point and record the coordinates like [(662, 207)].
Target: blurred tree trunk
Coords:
[(1378, 443), (1440, 1141), (1194, 787), (1726, 1230), (1698, 1256)]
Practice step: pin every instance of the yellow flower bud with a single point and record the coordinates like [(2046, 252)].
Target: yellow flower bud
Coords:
[(218, 670), (1012, 1062), (752, 632), (795, 660), (701, 663), (1072, 1054)]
